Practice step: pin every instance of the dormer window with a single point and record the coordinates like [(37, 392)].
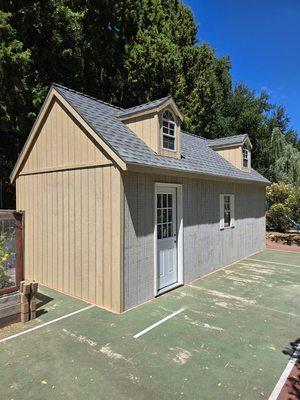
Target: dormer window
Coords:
[(168, 131), (246, 157)]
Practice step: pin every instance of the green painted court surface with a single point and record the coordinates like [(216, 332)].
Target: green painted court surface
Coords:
[(227, 343)]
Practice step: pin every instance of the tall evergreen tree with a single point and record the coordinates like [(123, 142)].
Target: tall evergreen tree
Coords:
[(125, 52), (14, 100)]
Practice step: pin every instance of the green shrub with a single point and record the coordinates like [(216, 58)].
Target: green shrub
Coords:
[(293, 203), (277, 217), (279, 193)]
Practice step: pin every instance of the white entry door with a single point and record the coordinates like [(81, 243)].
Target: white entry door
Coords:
[(166, 220)]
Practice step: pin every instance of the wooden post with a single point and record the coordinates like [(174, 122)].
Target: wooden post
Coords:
[(28, 290)]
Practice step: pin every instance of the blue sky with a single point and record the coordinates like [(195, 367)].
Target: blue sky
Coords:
[(262, 38)]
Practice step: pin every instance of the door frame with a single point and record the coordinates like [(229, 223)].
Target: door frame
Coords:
[(179, 220)]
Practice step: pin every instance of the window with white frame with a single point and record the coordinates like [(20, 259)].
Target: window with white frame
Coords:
[(226, 211), (246, 157), (168, 130)]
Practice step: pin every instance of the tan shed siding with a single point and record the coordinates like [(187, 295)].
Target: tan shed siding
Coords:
[(72, 196), (73, 232), (233, 155), (206, 248), (61, 143), (148, 128), (145, 127)]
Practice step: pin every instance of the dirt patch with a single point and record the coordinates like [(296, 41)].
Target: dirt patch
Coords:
[(181, 356)]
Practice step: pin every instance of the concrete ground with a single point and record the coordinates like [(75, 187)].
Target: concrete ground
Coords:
[(228, 343)]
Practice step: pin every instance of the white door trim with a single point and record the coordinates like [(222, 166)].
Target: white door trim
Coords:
[(179, 236)]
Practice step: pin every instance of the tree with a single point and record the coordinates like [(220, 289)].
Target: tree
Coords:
[(208, 84), (128, 52), (277, 218), (14, 99), (154, 37), (283, 205), (286, 158)]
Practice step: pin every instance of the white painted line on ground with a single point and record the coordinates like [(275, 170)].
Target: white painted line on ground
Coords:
[(158, 323), (285, 374), (45, 324), (282, 251), (272, 262)]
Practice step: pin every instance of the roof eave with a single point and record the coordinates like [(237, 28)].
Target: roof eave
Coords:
[(133, 166)]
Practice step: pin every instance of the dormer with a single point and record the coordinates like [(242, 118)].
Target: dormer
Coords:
[(158, 124), (235, 149)]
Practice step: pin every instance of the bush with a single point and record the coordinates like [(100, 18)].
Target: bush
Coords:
[(293, 203), (282, 195), (277, 217), (279, 193)]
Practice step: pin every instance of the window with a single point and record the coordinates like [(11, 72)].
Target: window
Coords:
[(245, 156), (226, 211), (168, 130), (164, 215)]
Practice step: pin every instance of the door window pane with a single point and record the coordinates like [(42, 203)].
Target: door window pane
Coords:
[(164, 200), (159, 201), (165, 216), (159, 216), (170, 230), (165, 231), (158, 231)]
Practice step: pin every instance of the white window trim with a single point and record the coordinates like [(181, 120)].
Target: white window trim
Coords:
[(245, 148), (166, 134), (232, 220)]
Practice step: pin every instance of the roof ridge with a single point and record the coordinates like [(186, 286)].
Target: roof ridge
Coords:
[(148, 102), (87, 95), (194, 134), (229, 136), (144, 106)]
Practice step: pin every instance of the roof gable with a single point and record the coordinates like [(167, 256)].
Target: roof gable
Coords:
[(150, 107), (230, 141), (52, 95)]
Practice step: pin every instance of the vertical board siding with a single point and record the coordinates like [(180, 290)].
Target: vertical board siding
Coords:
[(61, 142), (148, 128), (145, 127), (233, 155), (206, 247), (73, 226), (72, 232)]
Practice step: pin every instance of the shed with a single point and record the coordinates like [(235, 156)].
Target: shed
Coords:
[(121, 205)]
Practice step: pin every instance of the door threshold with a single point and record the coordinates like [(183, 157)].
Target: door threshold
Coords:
[(168, 288)]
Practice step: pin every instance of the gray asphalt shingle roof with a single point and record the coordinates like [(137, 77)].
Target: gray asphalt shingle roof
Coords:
[(197, 156), (143, 107), (228, 140)]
